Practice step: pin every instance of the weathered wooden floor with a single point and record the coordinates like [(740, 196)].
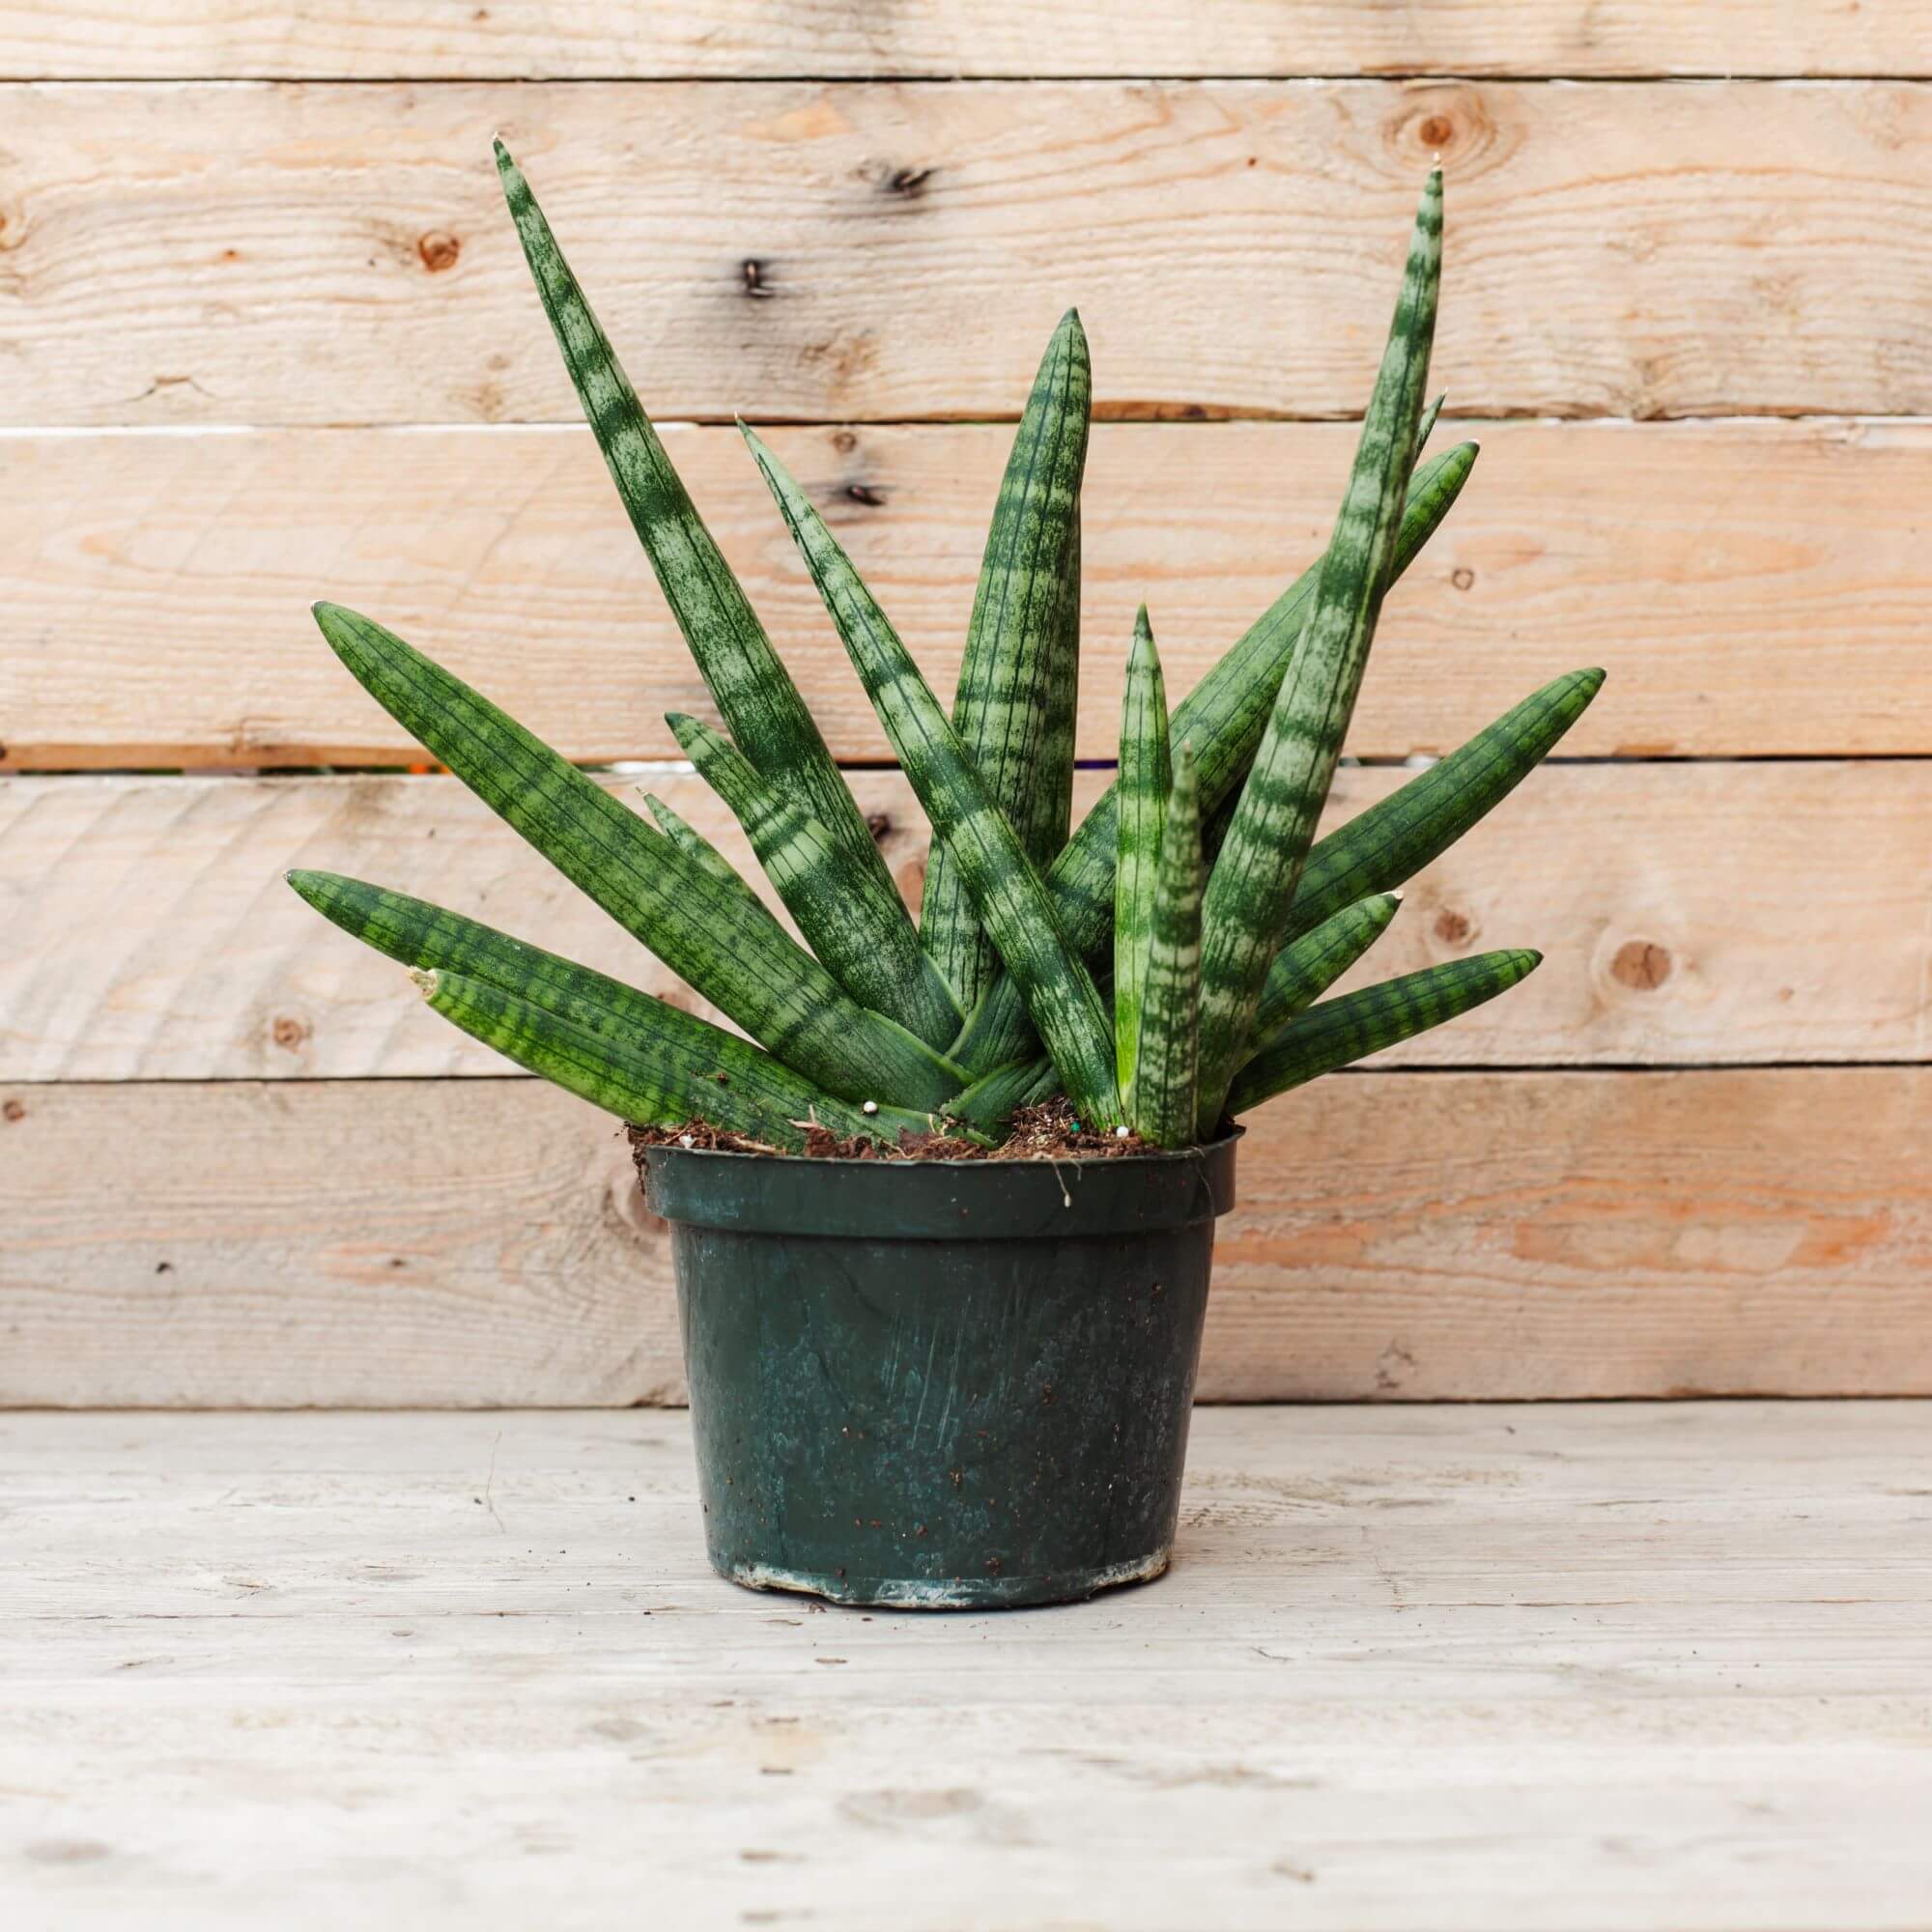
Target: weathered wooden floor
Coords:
[(1588, 1666)]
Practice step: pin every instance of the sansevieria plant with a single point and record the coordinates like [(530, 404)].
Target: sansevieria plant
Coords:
[(1161, 965)]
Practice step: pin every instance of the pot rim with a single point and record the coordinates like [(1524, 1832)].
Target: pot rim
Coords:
[(1196, 1150), (940, 1200)]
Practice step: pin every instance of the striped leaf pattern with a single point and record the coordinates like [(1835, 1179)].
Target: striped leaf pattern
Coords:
[(1341, 1031), (1223, 717), (704, 931), (1163, 1099), (989, 1102), (1140, 802), (609, 1070), (877, 959), (685, 1067), (702, 854), (1047, 811), (1394, 839), (1305, 968), (1019, 682), (754, 691), (1012, 903), (1255, 878)]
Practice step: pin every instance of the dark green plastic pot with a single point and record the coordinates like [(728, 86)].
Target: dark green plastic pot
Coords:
[(941, 1385)]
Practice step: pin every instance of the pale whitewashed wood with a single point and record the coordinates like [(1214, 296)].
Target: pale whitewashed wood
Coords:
[(160, 584), (456, 39), (1691, 912), (1397, 1236), (318, 254), (1478, 1668)]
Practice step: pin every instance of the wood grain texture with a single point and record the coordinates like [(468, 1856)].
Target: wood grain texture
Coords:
[(455, 40), (328, 254), (157, 586), (1689, 913), (352, 1243), (1507, 1669)]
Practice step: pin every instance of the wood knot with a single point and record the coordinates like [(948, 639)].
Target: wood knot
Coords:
[(439, 250), (289, 1033), (754, 276), (868, 494), (1453, 928), (1640, 964), (1437, 131), (880, 825), (844, 441), (908, 184), (1462, 577), (13, 1110)]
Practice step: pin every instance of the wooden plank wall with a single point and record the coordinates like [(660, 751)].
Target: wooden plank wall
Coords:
[(267, 336)]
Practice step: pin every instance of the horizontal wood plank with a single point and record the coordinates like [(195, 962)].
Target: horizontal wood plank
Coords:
[(454, 39), (328, 254), (1689, 913), (1397, 1236), (157, 586)]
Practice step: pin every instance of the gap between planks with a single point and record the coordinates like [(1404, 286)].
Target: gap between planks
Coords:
[(1472, 1236), (154, 935), (1654, 550), (312, 277)]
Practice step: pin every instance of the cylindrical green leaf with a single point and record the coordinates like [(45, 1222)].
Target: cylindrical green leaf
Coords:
[(695, 1069), (1141, 790), (1224, 717), (737, 957), (1012, 903), (989, 1102), (1396, 836), (1305, 968), (754, 691), (872, 950), (1019, 679), (1255, 878), (1163, 1101), (1340, 1030), (702, 854), (649, 1085)]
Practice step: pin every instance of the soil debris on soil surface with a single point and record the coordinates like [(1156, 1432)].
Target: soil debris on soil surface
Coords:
[(1047, 1131)]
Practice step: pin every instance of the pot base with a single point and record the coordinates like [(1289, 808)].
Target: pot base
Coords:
[(950, 1593)]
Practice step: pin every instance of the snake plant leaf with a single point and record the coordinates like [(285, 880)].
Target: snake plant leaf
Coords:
[(691, 1068), (990, 1102), (741, 961), (702, 854), (1224, 717), (1049, 811), (752, 690), (872, 952), (1163, 1099), (1340, 1030), (1255, 878), (1014, 708), (1305, 968), (1396, 836), (1427, 426), (651, 1085), (1140, 792), (1007, 893)]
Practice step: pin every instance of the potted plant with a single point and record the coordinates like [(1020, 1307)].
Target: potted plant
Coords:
[(943, 1210)]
